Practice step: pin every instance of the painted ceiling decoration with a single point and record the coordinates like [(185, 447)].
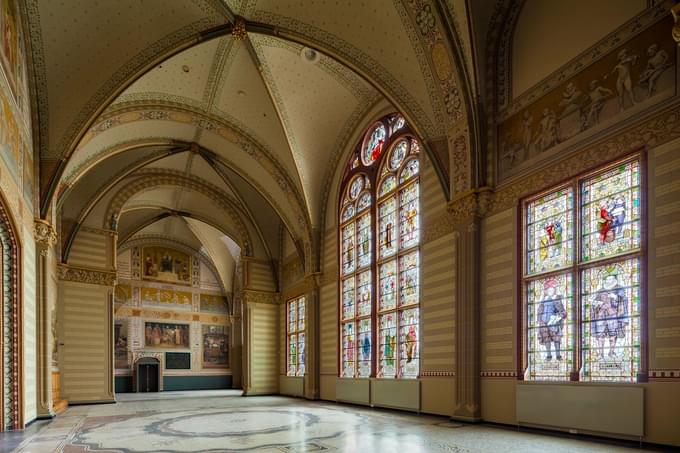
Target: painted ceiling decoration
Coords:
[(246, 106)]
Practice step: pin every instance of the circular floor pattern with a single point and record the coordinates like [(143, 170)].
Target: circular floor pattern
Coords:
[(233, 423), (217, 430)]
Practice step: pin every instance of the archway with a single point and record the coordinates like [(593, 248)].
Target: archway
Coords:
[(11, 372)]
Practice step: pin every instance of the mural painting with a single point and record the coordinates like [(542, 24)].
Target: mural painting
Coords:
[(29, 177), (632, 77), (214, 304), (166, 265), (122, 295), (10, 139), (120, 346), (166, 335), (215, 347), (8, 50)]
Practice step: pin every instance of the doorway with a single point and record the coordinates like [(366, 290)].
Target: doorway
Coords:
[(147, 371)]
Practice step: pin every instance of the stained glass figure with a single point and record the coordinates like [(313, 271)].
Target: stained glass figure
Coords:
[(292, 317), (409, 357), (373, 145), (550, 232), (348, 298), (364, 294), (364, 348), (301, 313), (388, 346), (292, 355), (610, 205), (388, 285), (388, 227), (301, 354), (398, 154), (348, 349), (364, 240), (611, 321), (347, 213), (388, 185), (550, 327), (348, 249), (408, 215), (356, 187), (408, 279), (398, 123), (364, 202), (410, 170)]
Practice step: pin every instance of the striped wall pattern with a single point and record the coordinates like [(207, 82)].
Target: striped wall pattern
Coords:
[(90, 249), (498, 317), (260, 276), (30, 356), (664, 257), (264, 348), (438, 274), (86, 331), (328, 305), (437, 299)]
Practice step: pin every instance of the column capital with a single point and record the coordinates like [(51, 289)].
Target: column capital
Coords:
[(45, 235)]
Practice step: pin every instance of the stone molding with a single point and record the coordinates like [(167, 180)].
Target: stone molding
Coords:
[(84, 275), (260, 297)]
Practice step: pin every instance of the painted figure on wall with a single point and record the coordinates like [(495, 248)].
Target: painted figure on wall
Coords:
[(8, 21), (624, 84), (656, 65), (165, 335), (551, 316), (547, 136), (609, 312), (120, 346), (596, 97), (166, 265)]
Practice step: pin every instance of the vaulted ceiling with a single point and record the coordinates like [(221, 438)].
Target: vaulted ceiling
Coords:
[(202, 118)]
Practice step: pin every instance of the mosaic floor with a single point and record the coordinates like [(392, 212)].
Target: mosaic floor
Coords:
[(226, 422)]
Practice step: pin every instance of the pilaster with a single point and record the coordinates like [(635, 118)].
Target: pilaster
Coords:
[(45, 239)]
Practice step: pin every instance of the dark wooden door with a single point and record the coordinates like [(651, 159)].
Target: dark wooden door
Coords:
[(147, 380)]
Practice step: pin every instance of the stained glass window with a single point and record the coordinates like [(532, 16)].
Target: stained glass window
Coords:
[(550, 232), (380, 289), (600, 288), (611, 321), (551, 327), (295, 332), (611, 212)]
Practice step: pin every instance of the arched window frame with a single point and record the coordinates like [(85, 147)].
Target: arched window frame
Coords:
[(374, 168)]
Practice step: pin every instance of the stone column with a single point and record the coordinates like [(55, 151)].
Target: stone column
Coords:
[(313, 338), (467, 211), (45, 239)]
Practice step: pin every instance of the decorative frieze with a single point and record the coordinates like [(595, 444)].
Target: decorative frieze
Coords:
[(260, 297), (82, 275)]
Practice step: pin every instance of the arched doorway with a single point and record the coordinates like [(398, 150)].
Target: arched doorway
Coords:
[(11, 416)]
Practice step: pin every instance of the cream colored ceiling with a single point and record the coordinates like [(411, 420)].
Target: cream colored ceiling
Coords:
[(120, 92)]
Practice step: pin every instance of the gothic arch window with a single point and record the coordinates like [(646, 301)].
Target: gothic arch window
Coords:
[(582, 291), (379, 237), (10, 341)]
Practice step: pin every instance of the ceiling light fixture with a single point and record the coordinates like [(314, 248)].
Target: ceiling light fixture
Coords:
[(309, 55)]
